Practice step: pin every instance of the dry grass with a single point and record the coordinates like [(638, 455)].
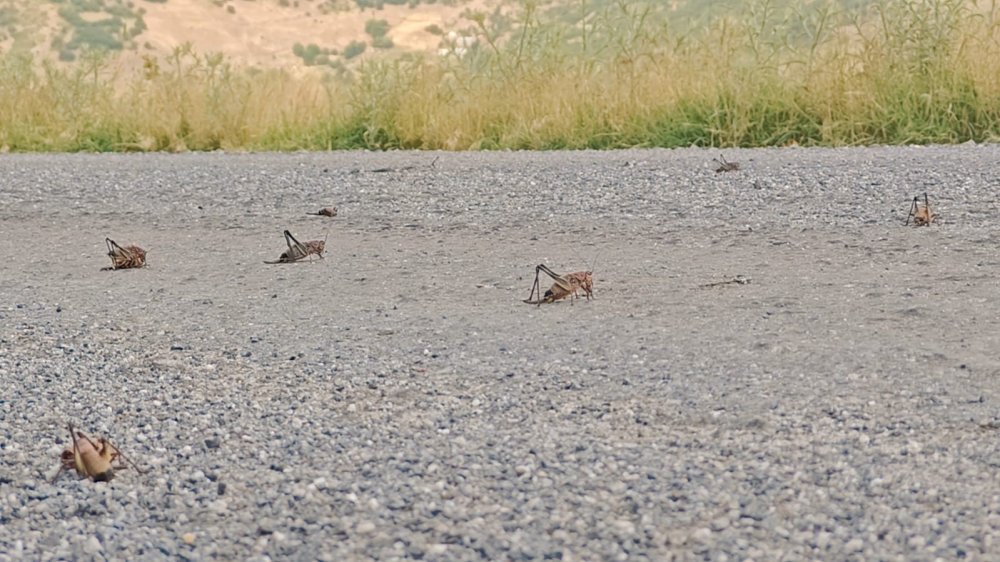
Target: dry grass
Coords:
[(900, 72)]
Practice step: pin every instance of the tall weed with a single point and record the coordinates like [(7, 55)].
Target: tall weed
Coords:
[(619, 74)]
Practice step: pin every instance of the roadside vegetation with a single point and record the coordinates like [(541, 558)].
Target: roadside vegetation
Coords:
[(617, 74)]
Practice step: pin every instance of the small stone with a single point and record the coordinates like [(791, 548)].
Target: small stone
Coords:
[(188, 538), (625, 527), (92, 546), (212, 443), (720, 524), (266, 526), (365, 527), (823, 540), (702, 535)]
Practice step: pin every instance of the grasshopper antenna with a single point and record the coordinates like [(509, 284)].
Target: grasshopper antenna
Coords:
[(912, 213), (128, 460), (593, 264), (122, 455)]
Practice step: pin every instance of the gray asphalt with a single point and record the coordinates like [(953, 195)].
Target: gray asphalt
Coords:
[(397, 400)]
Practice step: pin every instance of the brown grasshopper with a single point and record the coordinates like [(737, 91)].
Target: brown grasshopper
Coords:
[(920, 213), (564, 286), (725, 166), (298, 251), (124, 258), (91, 460), (325, 212), (738, 280)]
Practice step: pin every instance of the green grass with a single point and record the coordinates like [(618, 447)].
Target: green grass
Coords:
[(620, 74)]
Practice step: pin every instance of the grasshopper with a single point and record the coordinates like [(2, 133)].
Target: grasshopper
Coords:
[(725, 166), (90, 459), (920, 213), (564, 286), (325, 212), (124, 258), (298, 251)]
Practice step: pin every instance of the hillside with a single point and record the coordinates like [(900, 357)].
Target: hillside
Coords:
[(300, 33), (248, 32)]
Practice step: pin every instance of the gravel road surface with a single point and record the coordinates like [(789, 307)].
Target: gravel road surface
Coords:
[(397, 401)]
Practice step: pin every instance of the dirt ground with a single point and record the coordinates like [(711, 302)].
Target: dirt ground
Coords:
[(849, 392)]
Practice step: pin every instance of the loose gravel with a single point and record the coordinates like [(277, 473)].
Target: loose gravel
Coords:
[(398, 401)]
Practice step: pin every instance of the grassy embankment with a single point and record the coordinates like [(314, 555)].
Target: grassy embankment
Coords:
[(901, 71)]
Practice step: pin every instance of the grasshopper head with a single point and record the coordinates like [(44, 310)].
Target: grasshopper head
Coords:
[(108, 454), (105, 476)]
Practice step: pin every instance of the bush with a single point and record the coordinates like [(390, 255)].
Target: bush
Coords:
[(95, 36), (382, 43), (376, 28), (138, 28), (312, 51), (353, 49)]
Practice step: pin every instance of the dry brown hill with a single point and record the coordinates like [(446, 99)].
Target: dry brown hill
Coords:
[(248, 32)]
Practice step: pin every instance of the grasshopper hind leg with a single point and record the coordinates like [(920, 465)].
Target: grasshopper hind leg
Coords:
[(535, 290), (913, 211)]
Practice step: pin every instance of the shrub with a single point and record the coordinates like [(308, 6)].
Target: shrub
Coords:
[(312, 51), (377, 28), (353, 49)]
